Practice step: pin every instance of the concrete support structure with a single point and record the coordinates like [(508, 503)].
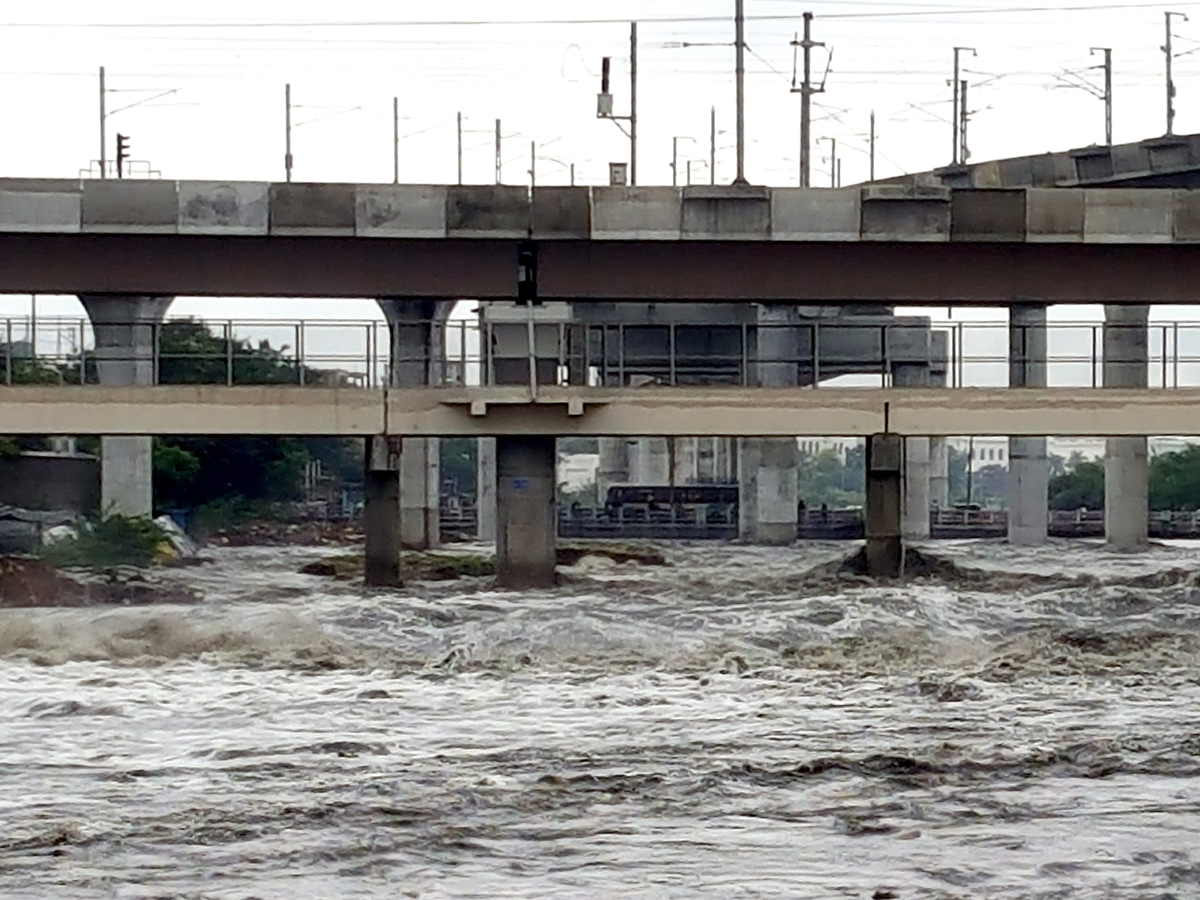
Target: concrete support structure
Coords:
[(527, 512), (1028, 467), (485, 490), (418, 359), (939, 473), (768, 468), (650, 460), (1126, 469), (381, 511), (614, 465), (126, 330), (884, 506), (685, 460), (916, 499)]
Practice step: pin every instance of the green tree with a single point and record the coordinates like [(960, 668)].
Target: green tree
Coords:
[(1175, 480), (824, 479), (1080, 486)]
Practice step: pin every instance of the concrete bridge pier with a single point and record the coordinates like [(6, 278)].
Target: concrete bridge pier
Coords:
[(768, 468), (485, 489), (417, 333), (650, 460), (1028, 467), (381, 513), (527, 512), (884, 550), (126, 330), (1126, 469), (917, 463)]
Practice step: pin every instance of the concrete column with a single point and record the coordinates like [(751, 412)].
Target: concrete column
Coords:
[(418, 359), (1028, 467), (381, 513), (1126, 469), (485, 490), (916, 463), (527, 512), (685, 460), (939, 473), (125, 327), (768, 468), (650, 460), (884, 506), (614, 465)]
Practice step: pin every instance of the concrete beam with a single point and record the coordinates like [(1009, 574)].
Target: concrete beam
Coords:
[(604, 412)]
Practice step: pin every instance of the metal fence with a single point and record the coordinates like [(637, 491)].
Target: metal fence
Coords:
[(469, 352)]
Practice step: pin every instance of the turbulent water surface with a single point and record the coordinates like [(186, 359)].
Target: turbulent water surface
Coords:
[(740, 724)]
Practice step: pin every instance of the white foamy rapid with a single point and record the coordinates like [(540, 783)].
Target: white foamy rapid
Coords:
[(744, 723)]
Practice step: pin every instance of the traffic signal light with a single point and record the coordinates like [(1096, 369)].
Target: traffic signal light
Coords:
[(122, 154), (527, 259)]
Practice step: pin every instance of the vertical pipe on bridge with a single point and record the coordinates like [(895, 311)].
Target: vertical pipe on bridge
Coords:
[(1126, 470), (1028, 467)]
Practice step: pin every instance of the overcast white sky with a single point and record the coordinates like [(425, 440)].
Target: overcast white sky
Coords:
[(535, 65)]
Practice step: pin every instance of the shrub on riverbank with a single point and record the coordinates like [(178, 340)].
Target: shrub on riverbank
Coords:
[(104, 543)]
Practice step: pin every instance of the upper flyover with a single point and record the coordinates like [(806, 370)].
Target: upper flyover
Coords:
[(912, 244)]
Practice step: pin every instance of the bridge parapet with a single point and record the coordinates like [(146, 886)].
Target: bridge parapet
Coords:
[(913, 213)]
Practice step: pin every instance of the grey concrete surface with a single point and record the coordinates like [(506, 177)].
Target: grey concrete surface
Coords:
[(1028, 466), (1126, 466)]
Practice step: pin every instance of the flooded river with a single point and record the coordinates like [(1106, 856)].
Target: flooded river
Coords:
[(735, 725)]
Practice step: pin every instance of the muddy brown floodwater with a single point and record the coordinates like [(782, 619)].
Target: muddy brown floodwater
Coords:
[(1021, 724)]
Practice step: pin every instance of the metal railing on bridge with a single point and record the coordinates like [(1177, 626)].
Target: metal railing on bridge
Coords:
[(470, 352)]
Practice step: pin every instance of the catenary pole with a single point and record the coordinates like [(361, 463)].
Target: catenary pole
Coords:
[(103, 127), (740, 77)]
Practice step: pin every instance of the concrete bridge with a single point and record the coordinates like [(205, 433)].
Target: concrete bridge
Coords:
[(127, 247)]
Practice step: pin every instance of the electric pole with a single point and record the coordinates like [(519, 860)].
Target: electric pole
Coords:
[(395, 140), (460, 148), (1170, 78), (956, 122), (872, 155), (712, 147), (806, 90), (287, 126), (499, 160), (103, 138), (1108, 97), (604, 102), (963, 153), (740, 75)]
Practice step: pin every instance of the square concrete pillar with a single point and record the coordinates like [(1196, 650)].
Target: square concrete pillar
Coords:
[(1028, 466), (485, 490), (916, 500), (885, 541), (1126, 466), (126, 331), (382, 513), (526, 512)]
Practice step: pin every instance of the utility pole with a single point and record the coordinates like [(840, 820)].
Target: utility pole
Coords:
[(499, 160), (287, 125), (806, 90), (1108, 97), (633, 78), (103, 119), (460, 149), (395, 140), (604, 102), (740, 74), (872, 178), (963, 153), (1170, 77), (532, 165), (954, 118), (712, 147), (674, 162)]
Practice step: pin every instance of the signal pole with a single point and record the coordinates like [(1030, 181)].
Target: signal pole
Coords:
[(1166, 48), (604, 104), (712, 147), (872, 177), (806, 90), (499, 161)]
